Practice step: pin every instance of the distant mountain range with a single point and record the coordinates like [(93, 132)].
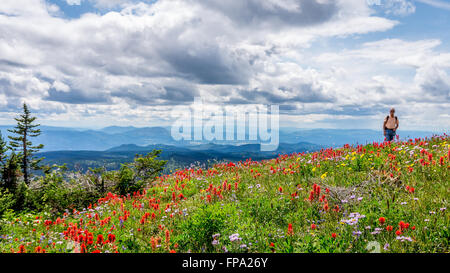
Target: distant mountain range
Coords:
[(61, 138), (111, 146), (178, 157)]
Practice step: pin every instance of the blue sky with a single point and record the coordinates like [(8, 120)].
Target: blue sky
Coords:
[(328, 64), (427, 22), (74, 11)]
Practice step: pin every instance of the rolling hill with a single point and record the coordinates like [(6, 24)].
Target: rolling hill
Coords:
[(75, 139), (178, 157)]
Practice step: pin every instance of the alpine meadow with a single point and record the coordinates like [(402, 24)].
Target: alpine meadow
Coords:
[(224, 135)]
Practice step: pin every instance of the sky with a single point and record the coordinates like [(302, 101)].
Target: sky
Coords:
[(327, 64)]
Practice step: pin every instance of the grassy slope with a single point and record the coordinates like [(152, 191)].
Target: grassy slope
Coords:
[(250, 207)]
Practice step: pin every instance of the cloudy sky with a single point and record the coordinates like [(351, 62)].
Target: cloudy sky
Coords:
[(329, 64)]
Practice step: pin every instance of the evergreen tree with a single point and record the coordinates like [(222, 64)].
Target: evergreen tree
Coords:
[(24, 131), (3, 156), (134, 176), (3, 150), (10, 172)]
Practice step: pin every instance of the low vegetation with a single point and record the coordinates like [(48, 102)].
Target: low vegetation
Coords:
[(56, 189), (382, 197)]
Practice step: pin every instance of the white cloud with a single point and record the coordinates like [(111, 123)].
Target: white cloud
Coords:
[(389, 51), (74, 2), (436, 3), (150, 56), (434, 82), (106, 4), (393, 7), (60, 86), (399, 7), (409, 75)]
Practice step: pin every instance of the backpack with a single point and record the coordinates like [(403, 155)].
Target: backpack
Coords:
[(387, 118)]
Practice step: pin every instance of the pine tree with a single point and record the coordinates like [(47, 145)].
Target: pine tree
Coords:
[(10, 172), (3, 156), (25, 130), (3, 150)]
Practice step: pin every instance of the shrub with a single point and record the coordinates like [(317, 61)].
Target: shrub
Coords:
[(6, 201), (197, 231), (135, 176)]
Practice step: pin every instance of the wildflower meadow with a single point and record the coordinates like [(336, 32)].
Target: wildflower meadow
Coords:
[(389, 197)]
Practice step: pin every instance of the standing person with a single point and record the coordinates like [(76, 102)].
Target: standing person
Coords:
[(390, 125)]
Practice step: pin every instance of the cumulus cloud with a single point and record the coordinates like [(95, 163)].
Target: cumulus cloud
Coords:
[(399, 7), (434, 83), (148, 55), (436, 3), (73, 2), (381, 78), (272, 13), (389, 51)]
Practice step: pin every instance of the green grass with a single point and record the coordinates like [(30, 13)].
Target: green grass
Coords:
[(248, 206)]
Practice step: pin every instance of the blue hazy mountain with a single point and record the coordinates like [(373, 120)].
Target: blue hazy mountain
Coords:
[(339, 137), (62, 138), (117, 129), (114, 145), (235, 151), (178, 156)]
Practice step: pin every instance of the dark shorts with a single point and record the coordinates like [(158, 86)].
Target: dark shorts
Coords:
[(390, 135)]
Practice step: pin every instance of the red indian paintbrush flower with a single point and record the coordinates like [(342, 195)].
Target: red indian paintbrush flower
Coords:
[(382, 220), (290, 230), (167, 236), (272, 246), (313, 226), (83, 248), (100, 239), (22, 249), (403, 225), (311, 196), (153, 243), (111, 237), (333, 235)]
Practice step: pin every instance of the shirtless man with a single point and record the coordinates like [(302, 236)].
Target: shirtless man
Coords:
[(390, 126)]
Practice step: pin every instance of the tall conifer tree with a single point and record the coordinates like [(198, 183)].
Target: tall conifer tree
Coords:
[(24, 131), (3, 156)]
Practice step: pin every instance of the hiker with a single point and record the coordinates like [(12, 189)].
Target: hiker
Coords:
[(390, 125)]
